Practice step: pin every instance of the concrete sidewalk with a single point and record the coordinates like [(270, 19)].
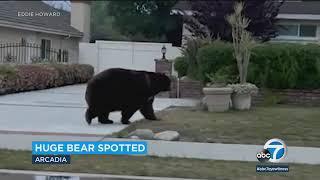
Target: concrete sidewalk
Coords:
[(61, 110), (212, 151)]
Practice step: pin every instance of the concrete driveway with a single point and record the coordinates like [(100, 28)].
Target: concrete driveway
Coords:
[(61, 110)]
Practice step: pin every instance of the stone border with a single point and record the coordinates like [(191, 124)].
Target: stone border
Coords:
[(288, 96), (194, 89)]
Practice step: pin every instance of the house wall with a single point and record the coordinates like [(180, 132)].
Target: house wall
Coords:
[(299, 39), (11, 35), (80, 18), (186, 33)]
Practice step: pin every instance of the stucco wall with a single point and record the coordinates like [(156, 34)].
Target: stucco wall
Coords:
[(11, 35)]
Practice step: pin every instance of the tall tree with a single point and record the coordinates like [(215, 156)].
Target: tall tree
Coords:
[(101, 23), (210, 16), (143, 19)]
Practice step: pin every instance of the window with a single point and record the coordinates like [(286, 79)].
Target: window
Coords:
[(308, 31), (288, 30), (45, 48), (298, 30)]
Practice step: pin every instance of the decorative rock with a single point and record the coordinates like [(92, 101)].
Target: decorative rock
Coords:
[(142, 133), (202, 105), (167, 136), (185, 78), (134, 137)]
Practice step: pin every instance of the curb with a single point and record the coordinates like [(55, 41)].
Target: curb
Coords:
[(86, 175), (178, 149)]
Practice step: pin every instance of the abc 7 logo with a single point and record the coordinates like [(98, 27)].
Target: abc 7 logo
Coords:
[(274, 151), (264, 156)]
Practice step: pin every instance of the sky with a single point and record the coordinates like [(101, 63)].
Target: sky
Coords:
[(65, 5)]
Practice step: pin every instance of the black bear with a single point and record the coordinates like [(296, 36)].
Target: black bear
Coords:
[(123, 90)]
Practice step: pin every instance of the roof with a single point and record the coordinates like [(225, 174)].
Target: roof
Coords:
[(300, 7), (9, 17), (182, 5), (289, 7)]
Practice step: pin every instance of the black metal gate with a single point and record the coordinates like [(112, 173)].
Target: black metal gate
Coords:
[(24, 53)]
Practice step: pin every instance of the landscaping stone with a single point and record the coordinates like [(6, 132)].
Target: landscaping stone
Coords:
[(185, 78), (167, 136), (202, 104), (134, 137), (142, 134)]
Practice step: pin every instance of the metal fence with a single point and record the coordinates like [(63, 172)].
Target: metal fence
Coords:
[(24, 53)]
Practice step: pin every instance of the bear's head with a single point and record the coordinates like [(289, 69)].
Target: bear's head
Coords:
[(160, 82)]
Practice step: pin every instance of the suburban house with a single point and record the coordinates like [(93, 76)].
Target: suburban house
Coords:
[(33, 30), (299, 21)]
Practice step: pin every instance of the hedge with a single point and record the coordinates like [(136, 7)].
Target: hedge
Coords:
[(272, 65), (181, 66), (214, 57), (18, 78), (286, 66)]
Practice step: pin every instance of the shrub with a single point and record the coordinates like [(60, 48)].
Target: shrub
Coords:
[(215, 56), (272, 65), (285, 65), (223, 76), (190, 51), (181, 66), (18, 78), (7, 70), (217, 78)]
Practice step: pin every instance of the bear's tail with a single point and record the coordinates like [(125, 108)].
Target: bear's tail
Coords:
[(89, 116)]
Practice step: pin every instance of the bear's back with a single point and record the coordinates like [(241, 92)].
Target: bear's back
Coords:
[(116, 84)]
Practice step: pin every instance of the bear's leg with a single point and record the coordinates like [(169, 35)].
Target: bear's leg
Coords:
[(89, 116), (148, 112), (126, 115), (104, 118)]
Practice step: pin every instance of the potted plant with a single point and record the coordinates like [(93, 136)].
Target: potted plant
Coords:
[(241, 96), (217, 95), (243, 44)]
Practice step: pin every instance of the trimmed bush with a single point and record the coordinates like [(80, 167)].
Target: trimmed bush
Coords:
[(272, 65), (190, 51), (285, 66), (18, 78), (181, 66), (214, 57)]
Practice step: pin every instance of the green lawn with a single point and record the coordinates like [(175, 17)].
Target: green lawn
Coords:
[(163, 167), (297, 126)]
